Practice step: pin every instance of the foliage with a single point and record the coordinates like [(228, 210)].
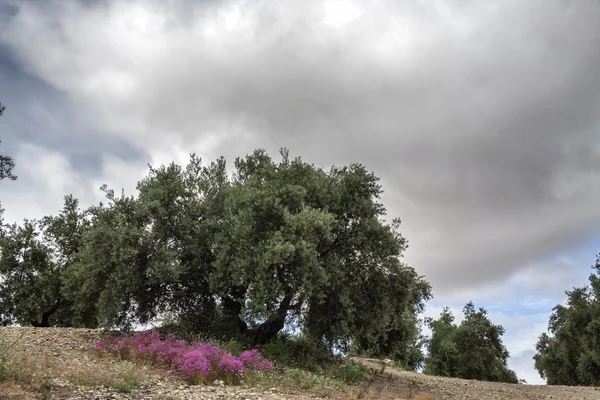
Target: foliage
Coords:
[(340, 380), (403, 344), (319, 384), (569, 354), (471, 350), (233, 256), (297, 352), (196, 362), (350, 373), (6, 163), (33, 258)]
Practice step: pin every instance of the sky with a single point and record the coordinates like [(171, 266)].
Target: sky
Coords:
[(481, 118)]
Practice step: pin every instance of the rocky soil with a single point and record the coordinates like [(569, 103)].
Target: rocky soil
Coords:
[(57, 364), (451, 388), (61, 359)]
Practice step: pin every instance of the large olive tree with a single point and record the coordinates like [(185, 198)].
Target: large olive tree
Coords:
[(271, 245)]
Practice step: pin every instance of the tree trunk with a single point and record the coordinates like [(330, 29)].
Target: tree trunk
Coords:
[(233, 305), (269, 329), (45, 323)]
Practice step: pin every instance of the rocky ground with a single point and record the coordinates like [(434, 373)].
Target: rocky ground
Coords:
[(452, 388), (57, 364)]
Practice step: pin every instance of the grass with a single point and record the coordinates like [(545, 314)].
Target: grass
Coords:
[(19, 370), (126, 380), (35, 373), (7, 352), (347, 378)]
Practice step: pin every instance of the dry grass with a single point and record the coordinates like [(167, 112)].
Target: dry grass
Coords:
[(127, 379), (11, 390), (45, 368)]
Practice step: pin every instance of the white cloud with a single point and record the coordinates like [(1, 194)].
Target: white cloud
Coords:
[(41, 186), (552, 277), (340, 12)]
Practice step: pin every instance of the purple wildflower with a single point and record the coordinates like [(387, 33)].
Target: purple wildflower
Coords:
[(194, 362)]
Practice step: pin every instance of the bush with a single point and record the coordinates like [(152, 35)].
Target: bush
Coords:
[(234, 347), (196, 362), (297, 352), (349, 372)]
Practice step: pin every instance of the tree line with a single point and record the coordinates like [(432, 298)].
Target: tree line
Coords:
[(249, 254)]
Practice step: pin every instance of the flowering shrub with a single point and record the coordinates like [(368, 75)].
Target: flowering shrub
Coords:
[(195, 362)]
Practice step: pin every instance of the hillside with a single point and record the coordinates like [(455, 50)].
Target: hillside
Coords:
[(57, 364)]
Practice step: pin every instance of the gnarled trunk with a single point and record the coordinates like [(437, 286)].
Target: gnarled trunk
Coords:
[(45, 323), (269, 329)]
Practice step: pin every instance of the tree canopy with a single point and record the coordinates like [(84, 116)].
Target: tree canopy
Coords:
[(471, 350), (242, 254), (569, 353)]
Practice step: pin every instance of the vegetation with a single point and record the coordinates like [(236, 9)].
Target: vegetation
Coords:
[(6, 166), (6, 163), (570, 353), (239, 256), (6, 353), (195, 362), (471, 350), (37, 371)]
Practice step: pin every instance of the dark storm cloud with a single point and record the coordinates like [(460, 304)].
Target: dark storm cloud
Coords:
[(481, 117)]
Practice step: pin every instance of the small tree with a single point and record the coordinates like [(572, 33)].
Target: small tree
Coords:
[(471, 350)]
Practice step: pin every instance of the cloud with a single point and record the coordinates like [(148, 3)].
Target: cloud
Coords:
[(521, 364), (41, 186), (553, 277), (484, 132)]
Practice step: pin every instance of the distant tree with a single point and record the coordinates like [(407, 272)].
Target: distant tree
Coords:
[(471, 350), (569, 354), (6, 163)]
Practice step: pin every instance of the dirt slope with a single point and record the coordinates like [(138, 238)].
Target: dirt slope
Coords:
[(57, 364), (455, 389)]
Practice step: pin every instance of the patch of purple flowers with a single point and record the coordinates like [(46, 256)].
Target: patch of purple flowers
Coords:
[(196, 362)]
